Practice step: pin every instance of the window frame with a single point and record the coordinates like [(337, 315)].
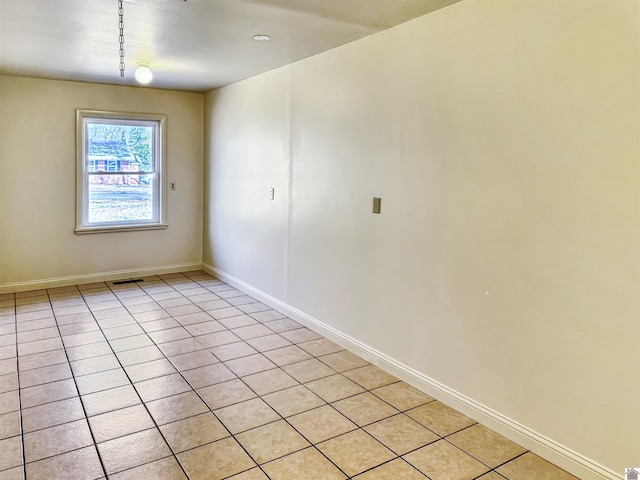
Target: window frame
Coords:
[(159, 188)]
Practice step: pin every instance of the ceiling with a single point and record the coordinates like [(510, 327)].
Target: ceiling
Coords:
[(194, 45)]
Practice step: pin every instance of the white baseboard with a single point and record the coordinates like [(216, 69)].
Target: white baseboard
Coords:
[(96, 277), (546, 448)]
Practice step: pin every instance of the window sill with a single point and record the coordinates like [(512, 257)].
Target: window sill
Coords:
[(120, 228)]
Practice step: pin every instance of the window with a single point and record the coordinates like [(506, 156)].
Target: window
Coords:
[(120, 171)]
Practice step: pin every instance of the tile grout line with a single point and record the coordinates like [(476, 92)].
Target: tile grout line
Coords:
[(22, 450), (84, 410), (144, 404), (231, 435)]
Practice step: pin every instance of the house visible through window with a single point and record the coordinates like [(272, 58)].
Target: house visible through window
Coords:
[(120, 171)]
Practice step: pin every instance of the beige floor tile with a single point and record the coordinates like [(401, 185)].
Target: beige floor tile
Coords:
[(370, 377), (159, 324), (532, 467), (402, 396), (307, 464), (148, 370), (40, 334), (355, 452), (88, 351), (95, 364), (225, 394), (321, 346), (43, 359), (161, 387), (9, 424), (364, 409), (163, 469), (491, 476), (282, 325), (119, 423), (80, 464), (334, 388), (216, 339), (270, 342), (238, 321), (308, 370), (193, 432), (112, 332), (11, 449), (271, 441), (108, 400), (401, 434), (249, 365), (130, 343), (97, 382), (253, 474), (56, 440), (397, 470), (287, 355), (251, 307), (246, 415), (133, 450), (208, 375), (343, 361), (9, 401), (252, 331), (204, 328), (269, 381), (193, 318), (82, 339), (440, 418), (267, 315), (8, 382), (443, 461), (139, 355), (486, 445), (292, 400), (321, 424), (177, 407), (221, 313), (233, 350), (51, 414), (199, 358), (300, 335), (216, 461), (178, 347), (48, 392), (169, 335)]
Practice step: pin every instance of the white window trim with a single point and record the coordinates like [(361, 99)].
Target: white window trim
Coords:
[(82, 184)]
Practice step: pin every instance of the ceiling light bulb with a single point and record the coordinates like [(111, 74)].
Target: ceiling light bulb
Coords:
[(261, 38), (143, 74)]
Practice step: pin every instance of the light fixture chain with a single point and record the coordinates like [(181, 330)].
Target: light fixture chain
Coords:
[(121, 25)]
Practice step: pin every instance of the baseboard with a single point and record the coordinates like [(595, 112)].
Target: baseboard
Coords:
[(96, 277), (546, 448)]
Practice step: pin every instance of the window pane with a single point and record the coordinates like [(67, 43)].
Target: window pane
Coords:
[(120, 198), (119, 148)]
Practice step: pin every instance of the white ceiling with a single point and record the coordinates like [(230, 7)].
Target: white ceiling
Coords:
[(192, 45)]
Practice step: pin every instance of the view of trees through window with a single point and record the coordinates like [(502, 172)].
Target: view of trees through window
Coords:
[(121, 169)]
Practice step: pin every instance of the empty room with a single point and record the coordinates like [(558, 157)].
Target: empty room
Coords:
[(320, 239)]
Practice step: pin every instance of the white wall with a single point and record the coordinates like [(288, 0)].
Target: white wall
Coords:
[(504, 140), (37, 182)]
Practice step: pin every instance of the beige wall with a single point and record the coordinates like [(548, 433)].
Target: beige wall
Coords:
[(504, 140), (37, 181)]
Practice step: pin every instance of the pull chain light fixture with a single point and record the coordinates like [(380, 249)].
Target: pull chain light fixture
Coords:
[(121, 25), (143, 73)]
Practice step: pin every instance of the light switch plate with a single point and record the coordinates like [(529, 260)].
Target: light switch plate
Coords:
[(376, 204)]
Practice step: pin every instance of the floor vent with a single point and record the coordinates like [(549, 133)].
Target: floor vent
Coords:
[(134, 280)]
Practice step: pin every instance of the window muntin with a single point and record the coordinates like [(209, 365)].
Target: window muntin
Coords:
[(120, 169)]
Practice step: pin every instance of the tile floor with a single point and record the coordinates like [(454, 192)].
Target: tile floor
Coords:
[(182, 376)]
